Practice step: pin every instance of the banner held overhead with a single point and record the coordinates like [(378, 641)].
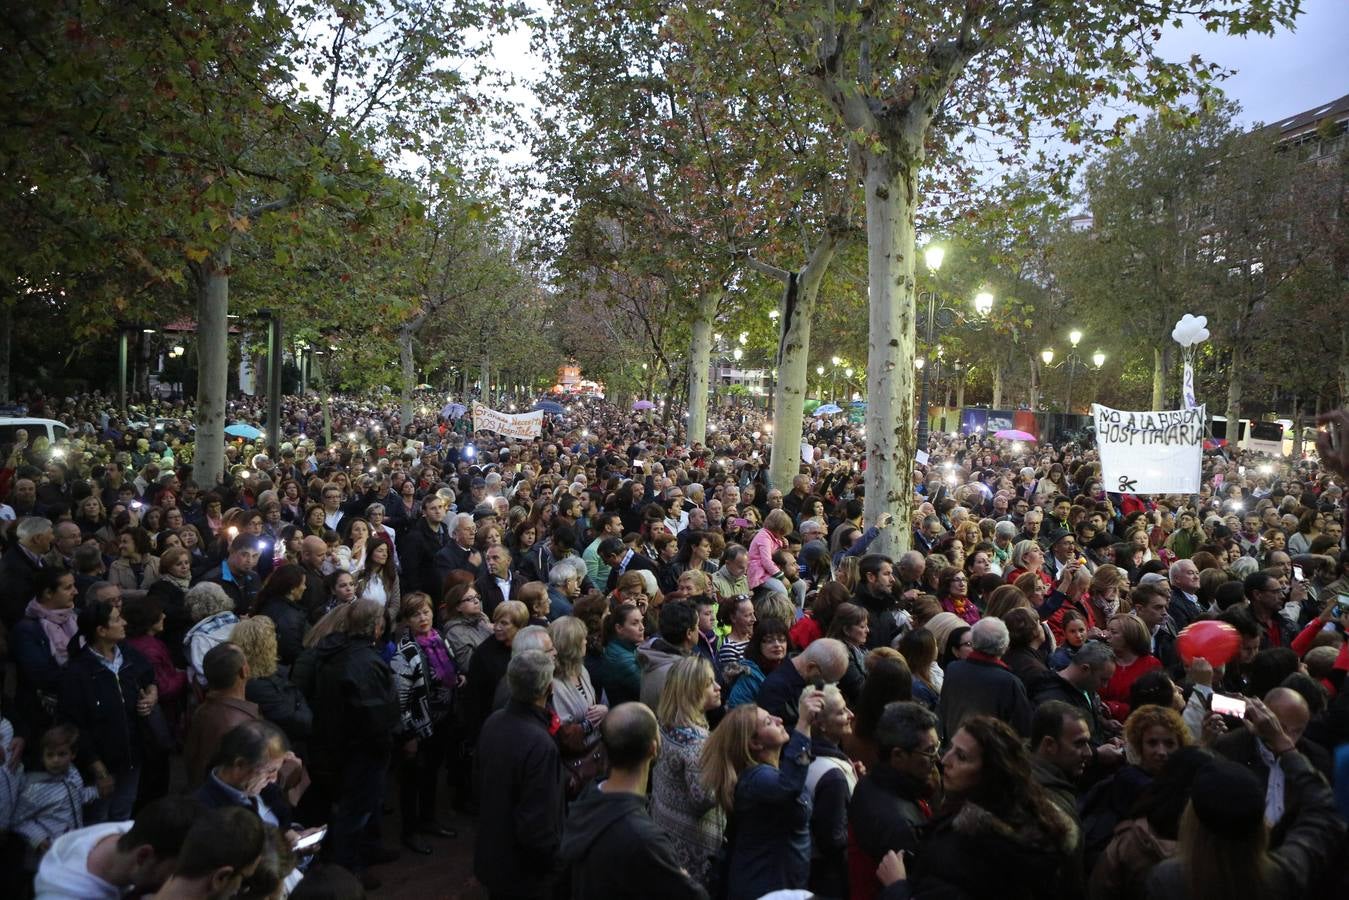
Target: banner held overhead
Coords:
[(1150, 452), (521, 426)]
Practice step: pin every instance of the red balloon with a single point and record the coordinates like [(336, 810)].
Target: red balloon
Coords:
[(1214, 641)]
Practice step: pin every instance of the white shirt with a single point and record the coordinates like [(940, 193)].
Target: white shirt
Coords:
[(504, 584)]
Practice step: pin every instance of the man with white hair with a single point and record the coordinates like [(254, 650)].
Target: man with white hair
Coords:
[(1185, 606), (459, 554), (982, 685), (20, 565)]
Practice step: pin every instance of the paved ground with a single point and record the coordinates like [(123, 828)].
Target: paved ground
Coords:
[(446, 873)]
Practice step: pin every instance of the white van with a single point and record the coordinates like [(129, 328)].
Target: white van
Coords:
[(53, 429)]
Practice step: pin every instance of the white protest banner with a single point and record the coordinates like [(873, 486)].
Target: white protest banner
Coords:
[(1150, 452), (513, 425)]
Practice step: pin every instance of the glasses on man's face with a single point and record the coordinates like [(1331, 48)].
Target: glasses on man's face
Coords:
[(932, 754)]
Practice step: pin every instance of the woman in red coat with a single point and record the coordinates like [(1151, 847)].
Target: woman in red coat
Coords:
[(1132, 644)]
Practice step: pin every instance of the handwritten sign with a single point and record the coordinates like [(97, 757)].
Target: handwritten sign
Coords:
[(1150, 452), (522, 426)]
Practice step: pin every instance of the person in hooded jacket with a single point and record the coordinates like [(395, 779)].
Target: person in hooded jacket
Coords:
[(356, 715), (610, 845), (678, 637)]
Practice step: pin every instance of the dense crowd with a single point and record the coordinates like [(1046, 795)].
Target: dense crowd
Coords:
[(648, 672)]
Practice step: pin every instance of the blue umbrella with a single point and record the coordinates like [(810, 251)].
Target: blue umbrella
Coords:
[(453, 410), (828, 409), (243, 430), (550, 406), (859, 403)]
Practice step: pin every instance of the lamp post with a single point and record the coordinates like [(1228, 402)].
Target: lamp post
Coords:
[(1072, 361), (933, 255)]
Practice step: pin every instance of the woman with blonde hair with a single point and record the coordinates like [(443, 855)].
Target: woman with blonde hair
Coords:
[(278, 699), (848, 572), (769, 539), (575, 699), (757, 771)]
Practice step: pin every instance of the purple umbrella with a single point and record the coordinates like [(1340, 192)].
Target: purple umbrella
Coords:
[(1011, 434), (643, 404)]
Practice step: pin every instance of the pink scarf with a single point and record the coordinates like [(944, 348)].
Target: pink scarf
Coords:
[(58, 625)]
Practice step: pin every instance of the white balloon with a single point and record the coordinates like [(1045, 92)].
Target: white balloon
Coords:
[(1202, 336)]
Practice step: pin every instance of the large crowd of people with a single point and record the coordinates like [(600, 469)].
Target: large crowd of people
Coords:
[(639, 669)]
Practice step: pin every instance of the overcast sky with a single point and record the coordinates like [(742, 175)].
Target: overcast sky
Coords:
[(1278, 76)]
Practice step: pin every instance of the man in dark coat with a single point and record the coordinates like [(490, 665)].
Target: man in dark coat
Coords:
[(355, 716), (521, 786), (982, 685), (621, 560), (498, 582), (291, 625), (418, 545), (237, 573), (19, 567), (891, 800), (875, 578), (1077, 685), (459, 554), (610, 844)]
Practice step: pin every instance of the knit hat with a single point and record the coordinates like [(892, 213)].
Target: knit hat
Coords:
[(1228, 800), (1058, 534), (942, 625)]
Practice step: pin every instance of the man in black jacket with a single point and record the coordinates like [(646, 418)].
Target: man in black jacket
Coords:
[(459, 554), (521, 786), (418, 546), (621, 560), (982, 685), (875, 578), (497, 583), (355, 715), (288, 616), (237, 573), (1078, 682), (610, 844), (20, 565), (891, 800)]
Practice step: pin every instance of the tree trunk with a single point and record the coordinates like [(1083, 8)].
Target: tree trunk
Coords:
[(486, 395), (997, 386), (789, 395), (960, 391), (700, 360), (891, 182), (1233, 411), (1297, 429), (213, 300), (6, 334), (1344, 362), (1158, 379), (409, 374)]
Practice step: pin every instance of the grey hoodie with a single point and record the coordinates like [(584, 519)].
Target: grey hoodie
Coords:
[(655, 660)]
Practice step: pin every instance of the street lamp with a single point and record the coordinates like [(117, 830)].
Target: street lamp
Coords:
[(933, 255), (1072, 361), (738, 354)]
